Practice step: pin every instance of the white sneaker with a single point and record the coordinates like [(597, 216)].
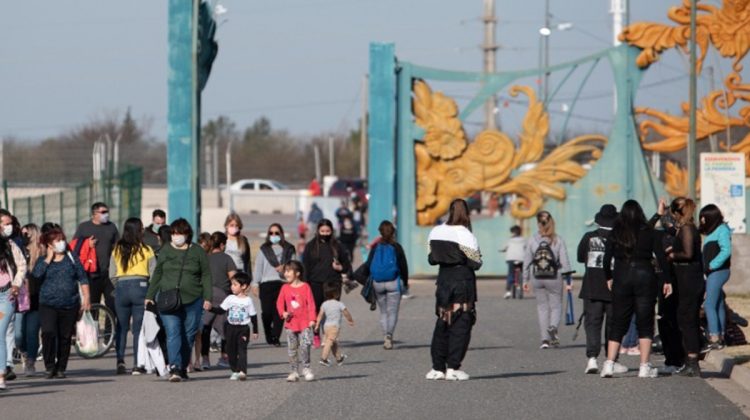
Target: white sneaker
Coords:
[(507, 295), (435, 375), (456, 375), (307, 373), (234, 376), (29, 370), (647, 371), (608, 369), (293, 377), (242, 376), (592, 366), (620, 368)]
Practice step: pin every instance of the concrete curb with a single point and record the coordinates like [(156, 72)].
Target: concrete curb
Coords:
[(726, 365)]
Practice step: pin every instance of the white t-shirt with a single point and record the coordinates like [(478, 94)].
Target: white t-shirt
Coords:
[(233, 250), (239, 309)]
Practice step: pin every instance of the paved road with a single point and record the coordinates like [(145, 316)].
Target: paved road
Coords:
[(511, 378)]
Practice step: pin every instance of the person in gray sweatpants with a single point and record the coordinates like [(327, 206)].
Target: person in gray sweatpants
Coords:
[(388, 290), (545, 269)]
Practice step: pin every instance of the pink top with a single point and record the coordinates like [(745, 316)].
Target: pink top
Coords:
[(299, 302)]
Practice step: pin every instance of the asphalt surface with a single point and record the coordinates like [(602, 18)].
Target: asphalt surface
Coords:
[(511, 378)]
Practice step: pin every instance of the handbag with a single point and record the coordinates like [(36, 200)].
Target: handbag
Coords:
[(169, 301), (368, 293)]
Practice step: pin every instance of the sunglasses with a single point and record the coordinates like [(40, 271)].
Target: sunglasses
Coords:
[(103, 212), (275, 233)]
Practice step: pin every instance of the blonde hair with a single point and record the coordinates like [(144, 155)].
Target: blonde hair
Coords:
[(683, 210), (546, 224), (34, 247), (241, 241)]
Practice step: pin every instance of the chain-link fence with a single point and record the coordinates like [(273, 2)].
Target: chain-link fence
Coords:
[(71, 206)]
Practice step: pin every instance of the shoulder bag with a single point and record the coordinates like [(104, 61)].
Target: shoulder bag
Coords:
[(169, 301)]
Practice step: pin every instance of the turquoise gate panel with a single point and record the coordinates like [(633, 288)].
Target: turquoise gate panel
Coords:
[(621, 172)]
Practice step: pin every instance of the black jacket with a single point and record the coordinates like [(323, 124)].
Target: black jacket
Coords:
[(318, 261), (591, 254)]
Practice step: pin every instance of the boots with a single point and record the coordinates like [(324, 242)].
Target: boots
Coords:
[(692, 368)]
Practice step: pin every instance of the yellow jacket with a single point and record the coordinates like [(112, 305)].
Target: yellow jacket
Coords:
[(141, 264)]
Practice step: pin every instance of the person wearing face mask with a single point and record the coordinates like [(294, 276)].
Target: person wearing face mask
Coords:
[(184, 266), (10, 231), (238, 247), (268, 277), (151, 234), (325, 261), (59, 301), (103, 235)]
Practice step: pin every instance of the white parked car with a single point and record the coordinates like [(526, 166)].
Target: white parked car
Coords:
[(257, 185)]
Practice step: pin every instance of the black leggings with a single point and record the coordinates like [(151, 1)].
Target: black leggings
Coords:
[(669, 330), (692, 286), (57, 330), (451, 341), (237, 338), (272, 323), (633, 291)]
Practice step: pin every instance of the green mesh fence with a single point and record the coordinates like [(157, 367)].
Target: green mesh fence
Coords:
[(69, 207)]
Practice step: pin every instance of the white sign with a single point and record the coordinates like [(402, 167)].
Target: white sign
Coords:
[(723, 184)]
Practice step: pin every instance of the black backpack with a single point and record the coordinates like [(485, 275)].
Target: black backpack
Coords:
[(544, 265)]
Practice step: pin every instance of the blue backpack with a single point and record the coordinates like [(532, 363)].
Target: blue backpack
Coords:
[(384, 266)]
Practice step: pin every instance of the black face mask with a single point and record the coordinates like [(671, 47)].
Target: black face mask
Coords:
[(25, 240), (324, 238)]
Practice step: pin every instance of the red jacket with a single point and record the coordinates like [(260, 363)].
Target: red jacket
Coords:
[(87, 254), (299, 303)]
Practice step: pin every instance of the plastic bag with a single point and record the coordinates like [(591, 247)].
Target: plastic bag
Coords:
[(24, 300), (87, 336)]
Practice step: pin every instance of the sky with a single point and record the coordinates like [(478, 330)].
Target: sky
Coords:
[(298, 62)]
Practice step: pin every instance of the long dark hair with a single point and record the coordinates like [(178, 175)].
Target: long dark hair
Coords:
[(278, 226), (387, 232), (710, 218), (7, 262), (458, 214), (332, 242), (130, 244), (630, 220)]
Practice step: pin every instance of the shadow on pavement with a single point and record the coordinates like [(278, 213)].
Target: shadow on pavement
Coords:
[(516, 375), (10, 393), (333, 378)]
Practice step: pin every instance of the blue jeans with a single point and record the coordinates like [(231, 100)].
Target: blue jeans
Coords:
[(511, 277), (6, 310), (27, 333), (130, 293), (716, 312), (181, 327), (631, 338)]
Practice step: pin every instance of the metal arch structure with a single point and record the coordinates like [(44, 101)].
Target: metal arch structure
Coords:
[(620, 173)]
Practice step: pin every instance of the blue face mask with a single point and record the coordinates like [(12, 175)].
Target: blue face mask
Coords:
[(275, 239)]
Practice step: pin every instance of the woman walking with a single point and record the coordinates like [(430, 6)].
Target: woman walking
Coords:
[(222, 271), (27, 323), (389, 271), (687, 263), (632, 245), (130, 268), (454, 248), (59, 301), (268, 278), (545, 261), (182, 266), (238, 247), (717, 258), (12, 275)]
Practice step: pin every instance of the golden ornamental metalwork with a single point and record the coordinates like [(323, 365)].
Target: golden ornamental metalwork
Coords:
[(449, 167), (727, 29)]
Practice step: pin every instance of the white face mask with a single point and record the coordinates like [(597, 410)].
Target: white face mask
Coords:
[(7, 230), (275, 239), (178, 240), (60, 247), (156, 227), (233, 230), (104, 218)]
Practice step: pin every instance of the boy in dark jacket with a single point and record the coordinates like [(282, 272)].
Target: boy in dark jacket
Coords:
[(596, 295)]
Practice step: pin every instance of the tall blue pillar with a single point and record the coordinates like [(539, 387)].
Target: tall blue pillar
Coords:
[(183, 125), (381, 134)]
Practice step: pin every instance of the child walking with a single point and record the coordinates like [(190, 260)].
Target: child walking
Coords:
[(333, 310), (240, 313), (514, 251), (296, 307)]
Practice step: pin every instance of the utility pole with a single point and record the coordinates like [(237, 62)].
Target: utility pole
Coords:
[(318, 174), (489, 47), (691, 152), (331, 165), (215, 175), (228, 157), (363, 131), (712, 137), (545, 39), (207, 161)]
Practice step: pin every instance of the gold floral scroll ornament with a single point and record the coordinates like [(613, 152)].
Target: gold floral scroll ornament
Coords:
[(728, 30), (450, 167)]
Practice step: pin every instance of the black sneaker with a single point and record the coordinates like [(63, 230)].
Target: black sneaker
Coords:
[(373, 306), (183, 374), (9, 374), (60, 375), (325, 362), (50, 374), (121, 369), (138, 371)]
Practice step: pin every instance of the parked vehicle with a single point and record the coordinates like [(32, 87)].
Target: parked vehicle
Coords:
[(350, 188), (255, 184)]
